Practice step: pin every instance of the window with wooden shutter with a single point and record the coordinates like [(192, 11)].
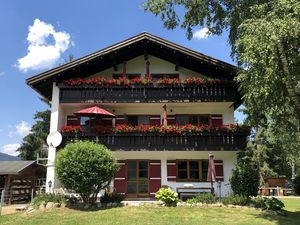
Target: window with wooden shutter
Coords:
[(219, 170), (73, 121), (216, 120), (154, 120), (120, 178), (171, 170), (154, 176)]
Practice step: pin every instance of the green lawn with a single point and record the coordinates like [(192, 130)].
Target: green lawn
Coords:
[(152, 215)]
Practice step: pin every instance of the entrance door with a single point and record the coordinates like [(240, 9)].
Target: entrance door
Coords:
[(137, 178)]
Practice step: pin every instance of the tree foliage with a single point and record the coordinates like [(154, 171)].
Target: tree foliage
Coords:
[(86, 168), (264, 36), (245, 177), (35, 141)]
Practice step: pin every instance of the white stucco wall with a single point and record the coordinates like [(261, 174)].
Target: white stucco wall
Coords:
[(229, 160)]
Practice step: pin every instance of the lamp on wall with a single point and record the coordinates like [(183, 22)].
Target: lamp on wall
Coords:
[(50, 185)]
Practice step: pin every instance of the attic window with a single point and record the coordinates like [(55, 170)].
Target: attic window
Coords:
[(157, 76), (128, 75)]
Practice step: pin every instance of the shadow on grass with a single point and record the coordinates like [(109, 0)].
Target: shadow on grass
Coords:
[(283, 218), (93, 208)]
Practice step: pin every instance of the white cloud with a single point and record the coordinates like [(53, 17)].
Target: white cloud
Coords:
[(201, 34), (2, 74), (42, 54), (10, 149), (23, 128)]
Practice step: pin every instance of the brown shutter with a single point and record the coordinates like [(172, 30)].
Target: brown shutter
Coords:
[(154, 120), (171, 170), (120, 119), (120, 178), (216, 120), (73, 121), (155, 177), (219, 170), (171, 120)]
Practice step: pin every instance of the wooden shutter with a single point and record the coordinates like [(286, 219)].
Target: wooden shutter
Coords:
[(219, 170), (154, 120), (155, 177), (120, 119), (216, 120), (171, 170), (171, 120), (73, 121), (120, 178)]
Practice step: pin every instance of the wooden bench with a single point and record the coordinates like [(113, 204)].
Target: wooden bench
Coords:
[(188, 192)]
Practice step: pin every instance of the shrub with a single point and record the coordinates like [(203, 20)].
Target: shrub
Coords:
[(235, 200), (297, 185), (112, 197), (86, 168), (207, 198), (167, 196), (245, 178), (273, 204), (45, 198)]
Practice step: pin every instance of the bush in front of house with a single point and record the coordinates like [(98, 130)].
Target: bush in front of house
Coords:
[(235, 200), (45, 198), (297, 185), (112, 197), (207, 198), (86, 168), (245, 178), (273, 204), (167, 196)]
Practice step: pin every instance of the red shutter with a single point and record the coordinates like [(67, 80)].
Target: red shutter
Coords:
[(73, 121), (154, 120), (120, 178), (219, 170), (106, 122), (155, 177), (120, 119), (216, 120), (171, 170), (171, 120)]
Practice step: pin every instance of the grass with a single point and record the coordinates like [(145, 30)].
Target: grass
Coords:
[(157, 215)]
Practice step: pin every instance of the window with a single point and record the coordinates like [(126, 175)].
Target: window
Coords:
[(192, 119), (192, 170), (130, 76), (135, 120), (132, 120), (158, 76)]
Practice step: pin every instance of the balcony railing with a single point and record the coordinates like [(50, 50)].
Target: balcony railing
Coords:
[(139, 93), (166, 142)]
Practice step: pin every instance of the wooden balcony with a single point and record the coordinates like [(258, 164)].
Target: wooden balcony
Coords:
[(180, 93), (233, 141)]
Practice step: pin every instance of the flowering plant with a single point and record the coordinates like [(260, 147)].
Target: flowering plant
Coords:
[(71, 130), (124, 81)]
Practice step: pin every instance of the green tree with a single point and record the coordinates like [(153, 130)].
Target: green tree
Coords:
[(35, 141), (86, 168)]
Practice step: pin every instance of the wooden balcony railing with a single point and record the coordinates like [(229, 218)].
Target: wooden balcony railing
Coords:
[(180, 93), (166, 142)]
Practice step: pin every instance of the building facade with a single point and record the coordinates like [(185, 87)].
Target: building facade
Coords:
[(172, 107)]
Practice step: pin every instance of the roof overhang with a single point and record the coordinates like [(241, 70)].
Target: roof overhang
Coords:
[(142, 44)]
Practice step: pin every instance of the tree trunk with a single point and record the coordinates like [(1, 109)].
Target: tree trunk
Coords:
[(291, 84)]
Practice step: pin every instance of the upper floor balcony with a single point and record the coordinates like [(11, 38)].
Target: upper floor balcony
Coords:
[(146, 90), (161, 138)]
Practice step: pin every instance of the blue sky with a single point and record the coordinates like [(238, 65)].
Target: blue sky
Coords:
[(78, 28)]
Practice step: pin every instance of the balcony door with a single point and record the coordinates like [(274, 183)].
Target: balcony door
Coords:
[(137, 178)]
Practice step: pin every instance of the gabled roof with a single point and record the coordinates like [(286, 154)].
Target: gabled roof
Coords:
[(142, 44), (14, 167)]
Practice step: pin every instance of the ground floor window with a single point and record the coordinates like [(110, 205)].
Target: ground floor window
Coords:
[(192, 170)]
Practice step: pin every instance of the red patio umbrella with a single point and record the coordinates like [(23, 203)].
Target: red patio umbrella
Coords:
[(211, 173), (94, 111)]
